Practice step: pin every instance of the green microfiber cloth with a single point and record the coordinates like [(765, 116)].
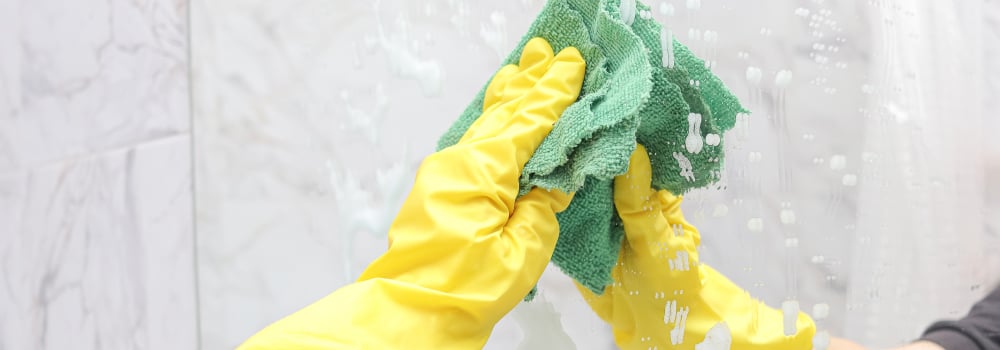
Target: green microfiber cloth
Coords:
[(628, 96)]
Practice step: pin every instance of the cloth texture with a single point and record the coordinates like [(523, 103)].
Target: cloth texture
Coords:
[(675, 107)]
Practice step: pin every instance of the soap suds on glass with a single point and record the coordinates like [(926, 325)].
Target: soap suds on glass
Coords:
[(541, 325), (367, 123), (405, 63), (495, 34)]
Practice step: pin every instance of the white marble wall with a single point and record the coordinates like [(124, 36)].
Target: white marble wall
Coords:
[(96, 227)]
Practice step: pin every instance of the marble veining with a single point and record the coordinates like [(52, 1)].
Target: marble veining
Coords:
[(96, 226), (97, 252), (81, 77)]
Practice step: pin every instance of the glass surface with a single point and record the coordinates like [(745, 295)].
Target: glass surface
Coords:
[(864, 182)]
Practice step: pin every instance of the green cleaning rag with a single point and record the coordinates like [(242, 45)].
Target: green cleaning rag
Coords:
[(633, 91)]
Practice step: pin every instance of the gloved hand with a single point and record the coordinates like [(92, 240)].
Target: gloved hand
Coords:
[(662, 298), (462, 251)]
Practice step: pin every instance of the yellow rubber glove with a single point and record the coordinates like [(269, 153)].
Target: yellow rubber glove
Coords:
[(662, 298), (462, 251)]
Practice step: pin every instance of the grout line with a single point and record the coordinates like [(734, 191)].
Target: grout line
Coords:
[(194, 179)]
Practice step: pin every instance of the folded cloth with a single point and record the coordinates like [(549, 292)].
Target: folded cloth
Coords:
[(640, 86)]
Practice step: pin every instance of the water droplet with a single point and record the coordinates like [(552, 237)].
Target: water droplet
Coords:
[(720, 210), (838, 162), (666, 9), (627, 10), (694, 34), (821, 311), (850, 180), (711, 36), (787, 216), (790, 311), (667, 46), (754, 75), (713, 139), (869, 157), (783, 78)]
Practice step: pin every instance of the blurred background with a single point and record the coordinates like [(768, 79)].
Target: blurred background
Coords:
[(178, 174)]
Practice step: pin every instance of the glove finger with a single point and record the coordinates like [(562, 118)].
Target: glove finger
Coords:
[(508, 86), (540, 107), (530, 236), (494, 92), (721, 300), (637, 203), (534, 219), (533, 98), (536, 57), (491, 102)]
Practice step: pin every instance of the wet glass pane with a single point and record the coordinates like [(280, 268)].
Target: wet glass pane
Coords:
[(861, 189)]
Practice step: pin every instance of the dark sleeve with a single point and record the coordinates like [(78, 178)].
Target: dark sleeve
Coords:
[(980, 330)]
